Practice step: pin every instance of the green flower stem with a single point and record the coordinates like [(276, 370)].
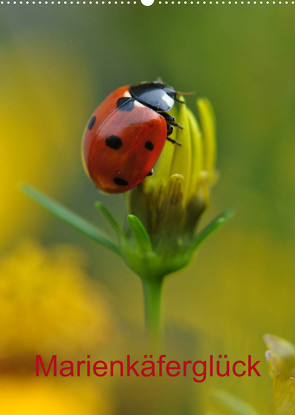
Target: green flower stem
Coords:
[(152, 290)]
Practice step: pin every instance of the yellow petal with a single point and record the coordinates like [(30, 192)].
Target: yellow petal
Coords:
[(207, 119), (163, 166), (181, 162), (196, 154)]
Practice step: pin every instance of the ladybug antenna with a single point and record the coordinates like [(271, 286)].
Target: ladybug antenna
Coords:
[(185, 93), (159, 80)]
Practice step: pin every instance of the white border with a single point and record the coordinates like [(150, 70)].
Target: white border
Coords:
[(133, 2)]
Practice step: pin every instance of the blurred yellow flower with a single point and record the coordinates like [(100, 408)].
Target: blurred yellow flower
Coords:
[(39, 110), (27, 396), (47, 304)]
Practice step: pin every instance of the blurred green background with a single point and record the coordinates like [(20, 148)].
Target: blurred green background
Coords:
[(59, 292)]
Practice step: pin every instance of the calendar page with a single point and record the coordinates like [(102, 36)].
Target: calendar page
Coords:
[(147, 207)]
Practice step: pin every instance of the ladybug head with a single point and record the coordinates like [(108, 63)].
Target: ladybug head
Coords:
[(169, 91), (155, 95)]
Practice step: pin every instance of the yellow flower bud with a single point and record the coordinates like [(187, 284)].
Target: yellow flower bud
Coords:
[(171, 202)]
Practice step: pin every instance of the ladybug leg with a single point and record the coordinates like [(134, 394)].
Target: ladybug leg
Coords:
[(174, 124), (170, 119), (179, 100), (169, 129), (169, 132), (173, 141), (177, 125)]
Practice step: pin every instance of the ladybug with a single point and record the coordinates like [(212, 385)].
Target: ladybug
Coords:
[(126, 135)]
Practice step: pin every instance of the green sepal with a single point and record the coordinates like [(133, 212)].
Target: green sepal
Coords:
[(213, 226), (110, 218), (141, 236)]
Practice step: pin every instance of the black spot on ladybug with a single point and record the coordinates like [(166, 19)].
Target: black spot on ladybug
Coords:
[(114, 142), (151, 172), (149, 145), (91, 122), (120, 182), (125, 104)]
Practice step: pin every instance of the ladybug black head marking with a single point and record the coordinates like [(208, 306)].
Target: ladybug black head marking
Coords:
[(125, 104), (158, 96)]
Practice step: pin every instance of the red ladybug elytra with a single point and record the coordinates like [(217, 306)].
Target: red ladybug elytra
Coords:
[(126, 134)]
